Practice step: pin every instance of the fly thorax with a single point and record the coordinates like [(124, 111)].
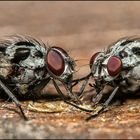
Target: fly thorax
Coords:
[(35, 60)]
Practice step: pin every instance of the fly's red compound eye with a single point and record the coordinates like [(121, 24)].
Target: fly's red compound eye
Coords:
[(60, 49), (56, 63), (93, 59), (114, 66)]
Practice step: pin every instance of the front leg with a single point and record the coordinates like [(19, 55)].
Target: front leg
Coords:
[(99, 93), (76, 81), (105, 104), (66, 101), (71, 94)]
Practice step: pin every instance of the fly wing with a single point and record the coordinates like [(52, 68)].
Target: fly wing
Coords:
[(20, 40)]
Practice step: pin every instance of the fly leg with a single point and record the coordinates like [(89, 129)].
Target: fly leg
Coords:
[(65, 100), (41, 85), (81, 93), (71, 94), (37, 87), (10, 94), (86, 79), (97, 98), (105, 105), (76, 81), (99, 93)]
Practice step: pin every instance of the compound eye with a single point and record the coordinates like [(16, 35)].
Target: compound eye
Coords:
[(60, 49), (114, 66), (93, 59), (56, 63)]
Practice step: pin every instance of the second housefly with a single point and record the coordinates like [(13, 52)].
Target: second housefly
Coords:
[(118, 67)]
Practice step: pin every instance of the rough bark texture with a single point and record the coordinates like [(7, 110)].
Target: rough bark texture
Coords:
[(82, 28)]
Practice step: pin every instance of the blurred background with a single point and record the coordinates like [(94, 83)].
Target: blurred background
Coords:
[(80, 27)]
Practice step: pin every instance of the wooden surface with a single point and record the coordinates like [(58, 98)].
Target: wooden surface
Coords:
[(82, 28)]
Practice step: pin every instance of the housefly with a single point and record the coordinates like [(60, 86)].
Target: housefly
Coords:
[(118, 67), (27, 65)]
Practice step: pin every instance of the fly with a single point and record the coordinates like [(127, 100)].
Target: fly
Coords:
[(28, 65), (119, 67)]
